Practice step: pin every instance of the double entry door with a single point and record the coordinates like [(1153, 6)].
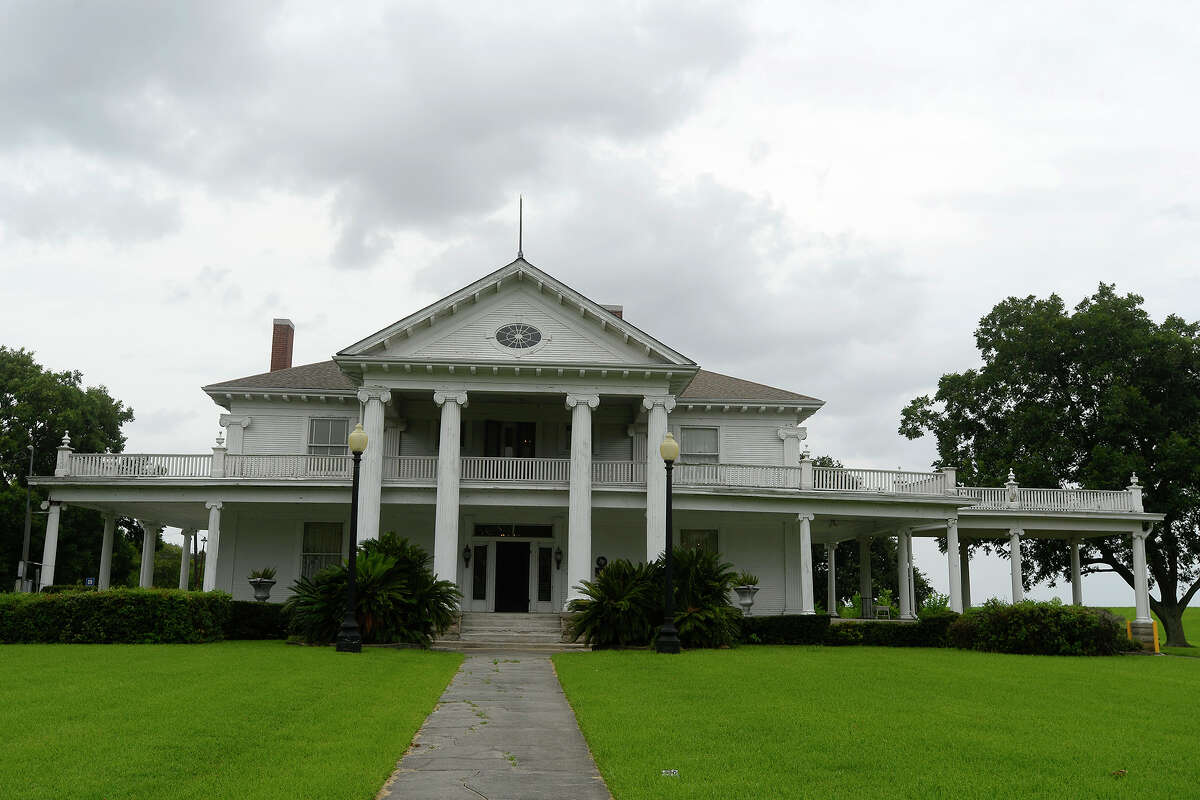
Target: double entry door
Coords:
[(512, 575), (509, 439)]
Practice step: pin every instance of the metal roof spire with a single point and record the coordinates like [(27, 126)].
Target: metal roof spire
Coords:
[(520, 226)]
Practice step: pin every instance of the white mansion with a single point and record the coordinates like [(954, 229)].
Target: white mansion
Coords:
[(513, 432)]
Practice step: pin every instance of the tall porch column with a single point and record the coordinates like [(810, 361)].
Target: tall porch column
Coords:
[(964, 560), (214, 544), (50, 548), (445, 525), (792, 436), (149, 538), (370, 484), (1014, 564), (912, 580), (903, 573), (1076, 575), (807, 605), (579, 515), (831, 598), (953, 555), (657, 408), (792, 602), (106, 545), (866, 587), (185, 560), (1141, 581)]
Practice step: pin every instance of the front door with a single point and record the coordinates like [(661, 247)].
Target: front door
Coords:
[(512, 576)]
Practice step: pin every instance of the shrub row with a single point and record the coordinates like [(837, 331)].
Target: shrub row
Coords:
[(786, 629), (1040, 629), (249, 619), (127, 616), (930, 630)]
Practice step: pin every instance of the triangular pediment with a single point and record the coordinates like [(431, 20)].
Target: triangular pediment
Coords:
[(476, 324)]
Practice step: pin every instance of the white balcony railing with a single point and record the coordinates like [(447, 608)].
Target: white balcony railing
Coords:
[(742, 475), (139, 465), (618, 473), (1049, 499), (410, 469), (287, 466), (884, 481), (423, 471), (525, 470)]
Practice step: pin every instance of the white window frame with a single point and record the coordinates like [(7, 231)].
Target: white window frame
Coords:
[(328, 448), (686, 457), (329, 556)]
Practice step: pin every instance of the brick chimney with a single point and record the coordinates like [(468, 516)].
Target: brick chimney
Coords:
[(616, 311), (281, 344)]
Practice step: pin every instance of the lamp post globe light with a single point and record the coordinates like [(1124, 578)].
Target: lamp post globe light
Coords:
[(668, 636), (348, 639)]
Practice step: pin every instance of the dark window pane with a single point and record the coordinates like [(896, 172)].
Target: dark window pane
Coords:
[(545, 556), (535, 531), (479, 573)]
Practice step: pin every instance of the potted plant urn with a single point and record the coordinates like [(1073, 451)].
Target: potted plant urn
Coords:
[(747, 587), (262, 580)]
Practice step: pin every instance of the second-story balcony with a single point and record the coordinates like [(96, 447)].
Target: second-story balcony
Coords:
[(423, 471)]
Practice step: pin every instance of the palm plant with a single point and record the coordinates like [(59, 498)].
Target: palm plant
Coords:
[(704, 615), (618, 608)]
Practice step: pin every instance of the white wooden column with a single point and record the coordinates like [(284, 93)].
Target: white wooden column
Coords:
[(50, 546), (792, 603), (831, 598), (1076, 575), (792, 436), (106, 545), (807, 605), (445, 525), (903, 574), (149, 538), (953, 556), (1014, 564), (912, 581), (213, 548), (579, 514), (185, 559), (964, 560), (1141, 578), (866, 588), (370, 485), (657, 407)]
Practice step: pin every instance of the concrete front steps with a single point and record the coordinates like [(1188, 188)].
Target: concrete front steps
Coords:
[(515, 632)]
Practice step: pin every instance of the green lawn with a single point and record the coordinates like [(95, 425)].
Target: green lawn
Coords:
[(1191, 629), (860, 722), (229, 720)]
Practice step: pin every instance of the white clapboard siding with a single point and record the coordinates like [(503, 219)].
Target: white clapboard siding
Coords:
[(391, 441), (420, 438), (611, 442), (569, 338), (276, 435)]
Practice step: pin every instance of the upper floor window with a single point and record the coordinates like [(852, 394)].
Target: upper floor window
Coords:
[(327, 437), (699, 446)]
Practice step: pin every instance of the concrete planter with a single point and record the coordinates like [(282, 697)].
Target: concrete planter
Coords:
[(262, 588), (746, 597)]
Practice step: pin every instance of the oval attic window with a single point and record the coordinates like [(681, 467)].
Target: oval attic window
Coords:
[(518, 335)]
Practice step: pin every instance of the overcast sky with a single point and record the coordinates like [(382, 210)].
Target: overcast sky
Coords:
[(824, 198)]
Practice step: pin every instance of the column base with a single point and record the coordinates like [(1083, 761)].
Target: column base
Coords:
[(1142, 633)]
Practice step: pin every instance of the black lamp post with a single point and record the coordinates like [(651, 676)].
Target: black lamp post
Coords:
[(668, 636), (349, 640), (23, 567)]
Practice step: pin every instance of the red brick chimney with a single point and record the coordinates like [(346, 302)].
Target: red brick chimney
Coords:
[(281, 344), (616, 311)]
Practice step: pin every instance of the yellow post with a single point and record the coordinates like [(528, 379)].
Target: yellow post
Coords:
[(1155, 624), (1128, 630)]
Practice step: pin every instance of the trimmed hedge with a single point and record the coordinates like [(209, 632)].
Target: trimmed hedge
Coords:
[(128, 616), (785, 629), (58, 588), (930, 630), (1031, 628), (250, 619)]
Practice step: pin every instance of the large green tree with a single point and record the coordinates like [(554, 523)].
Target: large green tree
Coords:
[(38, 406), (1083, 398)]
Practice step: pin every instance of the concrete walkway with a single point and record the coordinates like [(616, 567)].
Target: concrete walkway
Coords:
[(502, 729)]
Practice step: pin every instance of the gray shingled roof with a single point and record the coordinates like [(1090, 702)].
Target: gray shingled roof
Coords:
[(715, 386), (326, 376)]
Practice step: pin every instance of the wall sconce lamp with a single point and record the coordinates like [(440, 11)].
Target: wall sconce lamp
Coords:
[(467, 555), (558, 558)]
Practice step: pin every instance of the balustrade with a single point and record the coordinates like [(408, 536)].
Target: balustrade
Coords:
[(610, 473), (531, 470), (139, 465), (885, 481), (1049, 499), (410, 469)]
